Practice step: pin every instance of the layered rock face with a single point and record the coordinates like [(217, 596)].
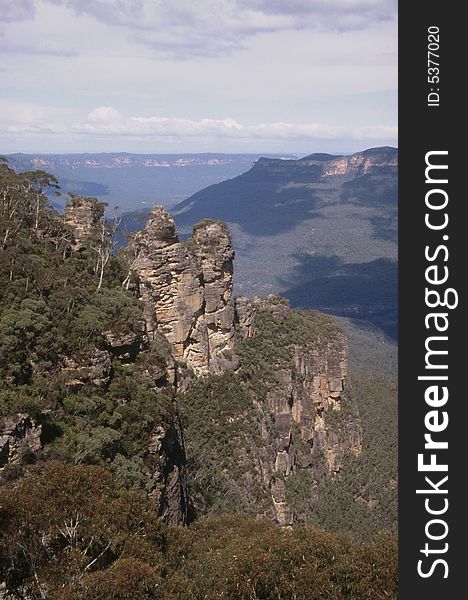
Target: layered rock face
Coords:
[(19, 434), (83, 215), (375, 161), (310, 391), (211, 244), (186, 290), (303, 405)]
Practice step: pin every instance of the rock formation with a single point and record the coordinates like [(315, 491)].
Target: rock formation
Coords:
[(211, 244), (19, 434), (300, 409), (186, 290), (189, 317), (91, 368), (83, 215), (186, 293), (310, 391)]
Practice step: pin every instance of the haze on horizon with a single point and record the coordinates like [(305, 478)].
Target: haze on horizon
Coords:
[(145, 76)]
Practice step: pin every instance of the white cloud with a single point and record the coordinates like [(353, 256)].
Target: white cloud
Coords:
[(235, 74), (186, 28), (240, 15), (108, 121), (104, 115), (16, 10)]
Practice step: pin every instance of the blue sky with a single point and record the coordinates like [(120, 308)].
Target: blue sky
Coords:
[(184, 76)]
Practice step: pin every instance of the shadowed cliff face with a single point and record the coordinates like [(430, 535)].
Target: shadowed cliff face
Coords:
[(300, 407)]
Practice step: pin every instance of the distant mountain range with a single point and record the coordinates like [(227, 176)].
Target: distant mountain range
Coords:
[(321, 230), (135, 181)]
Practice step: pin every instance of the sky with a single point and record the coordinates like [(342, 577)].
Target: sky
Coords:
[(149, 76)]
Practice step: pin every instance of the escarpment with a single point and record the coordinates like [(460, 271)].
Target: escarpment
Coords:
[(268, 434), (375, 161), (300, 400), (204, 402), (286, 369)]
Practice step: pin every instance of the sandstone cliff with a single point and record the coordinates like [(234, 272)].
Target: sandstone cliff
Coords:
[(318, 167), (301, 407), (264, 437), (375, 162), (241, 398), (84, 216), (186, 290), (186, 294)]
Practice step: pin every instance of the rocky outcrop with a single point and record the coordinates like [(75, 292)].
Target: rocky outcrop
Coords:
[(244, 311), (166, 483), (374, 161), (83, 215), (302, 440), (211, 244), (309, 393), (125, 346), (301, 411), (174, 503), (186, 290), (20, 434), (94, 368)]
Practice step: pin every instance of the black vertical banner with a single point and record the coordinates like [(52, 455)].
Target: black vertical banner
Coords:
[(433, 348)]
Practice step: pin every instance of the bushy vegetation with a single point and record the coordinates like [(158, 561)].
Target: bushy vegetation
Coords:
[(53, 303), (54, 309), (272, 346), (63, 523), (112, 427), (298, 490), (68, 533), (220, 425), (362, 497)]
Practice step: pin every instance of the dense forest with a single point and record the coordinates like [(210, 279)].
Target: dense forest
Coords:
[(126, 476)]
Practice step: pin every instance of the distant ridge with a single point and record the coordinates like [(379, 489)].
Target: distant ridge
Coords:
[(245, 198), (321, 157), (136, 181), (321, 230)]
